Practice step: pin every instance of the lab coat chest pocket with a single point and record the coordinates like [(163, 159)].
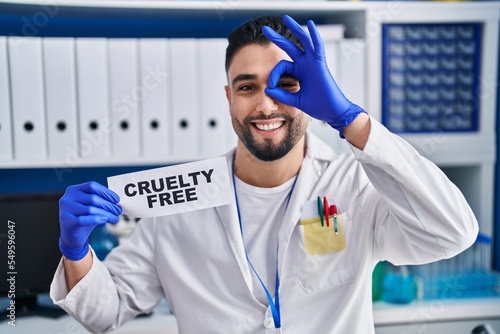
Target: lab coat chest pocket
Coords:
[(323, 271)]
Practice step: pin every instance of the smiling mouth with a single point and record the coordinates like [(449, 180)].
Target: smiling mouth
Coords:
[(269, 126)]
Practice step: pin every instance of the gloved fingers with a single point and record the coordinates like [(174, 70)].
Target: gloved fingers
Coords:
[(72, 202), (93, 187), (299, 32), (74, 221), (93, 200), (283, 96), (284, 66), (286, 45), (111, 217), (91, 204), (96, 219), (79, 227), (88, 204), (317, 41), (80, 214)]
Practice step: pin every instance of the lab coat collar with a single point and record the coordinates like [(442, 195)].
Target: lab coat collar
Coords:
[(318, 149), (307, 182), (228, 215)]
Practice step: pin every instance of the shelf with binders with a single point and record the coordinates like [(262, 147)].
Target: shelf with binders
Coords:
[(108, 95), (123, 122), (113, 101), (436, 86), (91, 112), (93, 115), (411, 82)]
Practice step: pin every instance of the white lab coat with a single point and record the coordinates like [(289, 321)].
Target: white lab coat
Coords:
[(397, 206)]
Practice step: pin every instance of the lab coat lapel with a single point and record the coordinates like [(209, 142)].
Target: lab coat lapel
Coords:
[(228, 216), (301, 193)]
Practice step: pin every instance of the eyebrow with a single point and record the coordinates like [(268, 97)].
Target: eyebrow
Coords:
[(243, 77)]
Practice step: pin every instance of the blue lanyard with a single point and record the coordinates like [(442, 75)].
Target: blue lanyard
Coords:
[(274, 305)]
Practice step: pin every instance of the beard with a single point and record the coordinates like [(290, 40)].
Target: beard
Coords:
[(268, 150)]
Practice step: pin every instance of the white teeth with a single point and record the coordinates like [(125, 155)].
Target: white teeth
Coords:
[(268, 127)]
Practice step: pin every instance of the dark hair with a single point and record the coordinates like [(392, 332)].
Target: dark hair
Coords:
[(250, 32)]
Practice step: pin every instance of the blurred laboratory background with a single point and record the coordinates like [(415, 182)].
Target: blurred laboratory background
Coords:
[(90, 89)]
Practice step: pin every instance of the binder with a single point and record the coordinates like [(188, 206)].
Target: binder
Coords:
[(332, 54), (155, 104), (185, 98), (332, 35), (332, 41), (26, 78), (231, 137), (93, 97), (214, 107), (6, 153), (125, 94), (352, 70), (60, 98)]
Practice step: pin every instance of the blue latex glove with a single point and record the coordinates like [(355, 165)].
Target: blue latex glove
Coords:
[(81, 209), (319, 96)]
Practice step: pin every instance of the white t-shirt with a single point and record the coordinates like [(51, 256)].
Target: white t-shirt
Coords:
[(262, 211)]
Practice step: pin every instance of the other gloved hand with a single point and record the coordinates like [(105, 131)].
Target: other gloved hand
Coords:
[(319, 96), (81, 209)]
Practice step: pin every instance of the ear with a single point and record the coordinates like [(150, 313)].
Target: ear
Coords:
[(228, 94)]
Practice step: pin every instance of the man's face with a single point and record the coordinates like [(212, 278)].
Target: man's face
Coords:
[(267, 128)]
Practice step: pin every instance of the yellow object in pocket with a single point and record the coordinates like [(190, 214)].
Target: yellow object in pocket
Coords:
[(323, 239)]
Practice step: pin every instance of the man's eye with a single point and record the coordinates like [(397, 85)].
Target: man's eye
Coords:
[(288, 85), (246, 88)]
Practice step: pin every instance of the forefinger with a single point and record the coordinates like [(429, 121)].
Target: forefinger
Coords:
[(286, 45), (316, 39), (299, 32), (96, 201), (98, 189), (283, 67)]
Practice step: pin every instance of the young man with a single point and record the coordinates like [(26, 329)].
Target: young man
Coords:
[(247, 267)]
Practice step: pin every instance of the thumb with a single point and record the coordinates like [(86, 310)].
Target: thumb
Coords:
[(92, 220), (283, 96)]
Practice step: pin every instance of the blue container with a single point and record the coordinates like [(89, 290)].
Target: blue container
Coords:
[(102, 241), (398, 286)]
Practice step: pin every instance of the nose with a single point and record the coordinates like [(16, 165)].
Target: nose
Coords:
[(265, 104)]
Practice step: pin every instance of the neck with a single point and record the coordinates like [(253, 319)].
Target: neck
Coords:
[(267, 174)]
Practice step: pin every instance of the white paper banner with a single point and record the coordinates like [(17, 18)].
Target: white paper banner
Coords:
[(174, 189)]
